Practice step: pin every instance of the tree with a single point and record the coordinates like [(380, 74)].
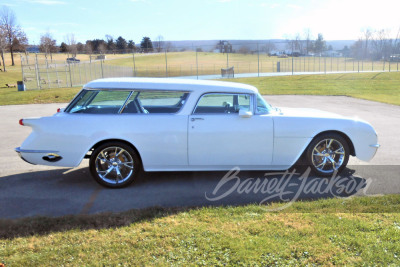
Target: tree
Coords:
[(268, 47), (63, 48), (47, 45), (15, 36), (110, 43), (121, 44), (159, 43), (146, 45), (131, 44), (308, 43), (71, 42), (3, 43), (320, 44), (80, 47)]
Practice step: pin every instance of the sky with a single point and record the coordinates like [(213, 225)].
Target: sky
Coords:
[(203, 19)]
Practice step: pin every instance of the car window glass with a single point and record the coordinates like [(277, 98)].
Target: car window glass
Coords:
[(222, 103), (99, 102), (154, 102), (262, 105)]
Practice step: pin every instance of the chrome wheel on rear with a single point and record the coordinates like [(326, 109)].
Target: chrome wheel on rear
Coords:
[(327, 154), (114, 164)]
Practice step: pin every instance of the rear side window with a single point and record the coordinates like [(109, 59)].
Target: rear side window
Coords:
[(127, 102), (155, 102), (99, 102)]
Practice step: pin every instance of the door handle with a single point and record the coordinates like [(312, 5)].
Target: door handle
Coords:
[(200, 119)]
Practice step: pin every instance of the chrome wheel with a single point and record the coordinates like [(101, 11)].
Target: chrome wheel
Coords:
[(327, 154), (114, 164)]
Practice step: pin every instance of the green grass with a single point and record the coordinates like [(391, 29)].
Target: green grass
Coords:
[(359, 230), (382, 86)]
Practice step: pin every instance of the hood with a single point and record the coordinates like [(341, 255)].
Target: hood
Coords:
[(307, 113)]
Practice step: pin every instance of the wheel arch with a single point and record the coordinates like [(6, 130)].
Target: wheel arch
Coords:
[(342, 134), (102, 142)]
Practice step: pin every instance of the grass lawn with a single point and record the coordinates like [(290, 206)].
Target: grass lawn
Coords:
[(359, 230), (381, 86)]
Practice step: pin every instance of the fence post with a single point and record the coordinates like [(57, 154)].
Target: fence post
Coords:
[(227, 59), (37, 72), (372, 65), (22, 67), (292, 63), (166, 63), (47, 72), (70, 77), (58, 78), (325, 64), (86, 79), (197, 66), (80, 77), (101, 65), (134, 63), (258, 60)]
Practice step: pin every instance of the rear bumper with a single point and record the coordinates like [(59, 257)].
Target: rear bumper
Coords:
[(47, 155)]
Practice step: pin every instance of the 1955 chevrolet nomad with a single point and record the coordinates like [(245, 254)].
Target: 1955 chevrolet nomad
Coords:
[(126, 124)]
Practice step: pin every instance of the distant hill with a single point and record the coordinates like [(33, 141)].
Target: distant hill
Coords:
[(281, 44)]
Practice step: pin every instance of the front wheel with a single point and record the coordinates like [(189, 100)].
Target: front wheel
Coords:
[(114, 164), (328, 153)]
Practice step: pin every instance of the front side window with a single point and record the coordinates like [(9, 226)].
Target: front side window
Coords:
[(262, 105), (218, 103)]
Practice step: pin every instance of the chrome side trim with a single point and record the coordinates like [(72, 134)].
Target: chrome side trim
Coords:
[(375, 145), (19, 150)]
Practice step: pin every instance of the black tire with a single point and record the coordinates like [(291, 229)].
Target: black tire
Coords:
[(328, 153), (114, 165)]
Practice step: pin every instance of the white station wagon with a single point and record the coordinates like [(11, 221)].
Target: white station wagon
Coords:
[(126, 124)]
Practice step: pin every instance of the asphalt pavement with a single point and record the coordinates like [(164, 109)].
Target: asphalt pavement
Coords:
[(29, 190)]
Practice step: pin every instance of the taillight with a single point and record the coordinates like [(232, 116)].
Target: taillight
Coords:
[(21, 122), (58, 110)]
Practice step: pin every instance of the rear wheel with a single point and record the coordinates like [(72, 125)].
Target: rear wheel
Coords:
[(114, 164), (328, 153)]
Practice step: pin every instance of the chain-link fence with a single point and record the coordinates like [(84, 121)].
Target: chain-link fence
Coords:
[(41, 71)]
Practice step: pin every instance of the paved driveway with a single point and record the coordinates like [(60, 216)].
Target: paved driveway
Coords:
[(28, 190)]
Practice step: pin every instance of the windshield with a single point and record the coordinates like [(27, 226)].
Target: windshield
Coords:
[(262, 105)]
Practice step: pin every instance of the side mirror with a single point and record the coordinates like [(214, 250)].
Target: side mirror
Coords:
[(244, 113)]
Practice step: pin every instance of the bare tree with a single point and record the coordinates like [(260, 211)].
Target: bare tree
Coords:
[(159, 43), (382, 44), (71, 44), (3, 43), (268, 47), (308, 43), (48, 45), (15, 36)]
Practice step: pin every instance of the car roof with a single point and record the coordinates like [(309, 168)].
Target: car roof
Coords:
[(173, 84)]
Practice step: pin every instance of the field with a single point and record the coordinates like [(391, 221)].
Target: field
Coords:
[(359, 230), (382, 87), (185, 64)]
